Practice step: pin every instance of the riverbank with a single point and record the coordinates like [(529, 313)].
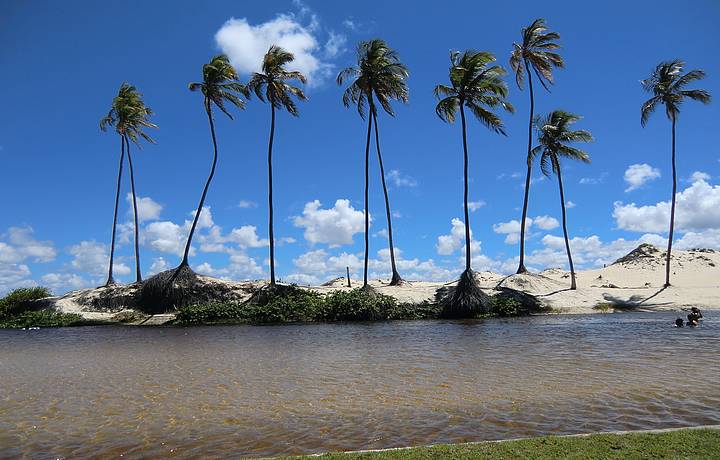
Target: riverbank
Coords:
[(633, 283), (700, 442)]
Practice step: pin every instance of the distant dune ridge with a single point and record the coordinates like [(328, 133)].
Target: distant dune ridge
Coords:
[(633, 282)]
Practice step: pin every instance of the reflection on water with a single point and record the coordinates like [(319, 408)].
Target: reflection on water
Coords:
[(244, 390)]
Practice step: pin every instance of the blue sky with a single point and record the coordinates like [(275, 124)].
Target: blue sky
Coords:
[(63, 63)]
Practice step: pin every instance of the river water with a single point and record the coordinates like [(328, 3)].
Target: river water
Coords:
[(99, 392)]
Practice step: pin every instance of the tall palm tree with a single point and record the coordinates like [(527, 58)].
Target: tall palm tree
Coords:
[(533, 55), (129, 116), (554, 135), (667, 85), (378, 74), (219, 86), (477, 84), (271, 85)]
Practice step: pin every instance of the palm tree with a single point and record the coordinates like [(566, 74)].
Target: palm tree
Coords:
[(218, 87), (479, 86), (129, 116), (667, 85), (534, 54), (271, 85), (554, 134), (379, 74)]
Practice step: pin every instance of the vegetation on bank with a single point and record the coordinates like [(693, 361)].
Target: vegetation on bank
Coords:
[(688, 443), (288, 304), (18, 310)]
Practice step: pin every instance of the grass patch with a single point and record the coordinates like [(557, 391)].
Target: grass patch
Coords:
[(688, 443), (604, 307)]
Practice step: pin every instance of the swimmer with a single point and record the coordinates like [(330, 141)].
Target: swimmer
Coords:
[(679, 322)]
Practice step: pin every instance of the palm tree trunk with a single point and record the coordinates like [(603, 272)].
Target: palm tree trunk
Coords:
[(573, 284), (465, 203), (184, 262), (521, 266), (672, 210), (396, 278), (270, 197), (138, 275), (367, 211), (110, 279)]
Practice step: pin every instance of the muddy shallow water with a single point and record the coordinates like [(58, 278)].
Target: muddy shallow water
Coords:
[(98, 392)]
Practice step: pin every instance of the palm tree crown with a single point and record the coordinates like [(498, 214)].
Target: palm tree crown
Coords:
[(535, 52), (129, 115), (220, 85), (554, 134), (378, 73), (271, 83), (476, 85), (667, 84)]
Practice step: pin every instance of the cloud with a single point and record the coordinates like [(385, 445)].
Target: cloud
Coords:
[(594, 180), (148, 209), (334, 226), (246, 204), (246, 44), (13, 276), (698, 209), (475, 205), (569, 204), (18, 245), (159, 264), (92, 258), (699, 175), (546, 222), (638, 175), (63, 282), (247, 237), (401, 180), (455, 240)]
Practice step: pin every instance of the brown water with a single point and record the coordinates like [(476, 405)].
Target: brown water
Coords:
[(209, 392)]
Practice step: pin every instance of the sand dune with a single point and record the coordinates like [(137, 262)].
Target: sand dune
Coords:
[(633, 282)]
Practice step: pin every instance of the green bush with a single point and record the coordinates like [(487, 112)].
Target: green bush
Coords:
[(210, 313), (506, 306), (43, 318), (286, 304), (423, 310), (358, 305), (19, 300)]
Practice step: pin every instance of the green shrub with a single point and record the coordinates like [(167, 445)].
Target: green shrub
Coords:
[(423, 310), (43, 318), (19, 300), (358, 305), (284, 305), (210, 313), (506, 306)]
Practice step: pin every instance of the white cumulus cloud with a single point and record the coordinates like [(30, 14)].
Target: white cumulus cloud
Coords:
[(334, 226), (638, 175)]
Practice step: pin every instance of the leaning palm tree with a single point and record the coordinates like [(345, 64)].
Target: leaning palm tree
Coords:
[(379, 74), (554, 134), (271, 85), (534, 55), (219, 86), (667, 85), (477, 84), (129, 116)]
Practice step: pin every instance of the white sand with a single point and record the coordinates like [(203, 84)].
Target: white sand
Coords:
[(635, 282)]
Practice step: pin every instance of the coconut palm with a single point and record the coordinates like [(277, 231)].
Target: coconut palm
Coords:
[(668, 84), (380, 75), (554, 135), (129, 116), (475, 83), (272, 85), (219, 86), (534, 55)]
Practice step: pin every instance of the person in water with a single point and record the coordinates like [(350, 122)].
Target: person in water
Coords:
[(679, 322), (694, 316)]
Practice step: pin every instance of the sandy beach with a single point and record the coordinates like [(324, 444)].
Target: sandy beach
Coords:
[(633, 282)]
